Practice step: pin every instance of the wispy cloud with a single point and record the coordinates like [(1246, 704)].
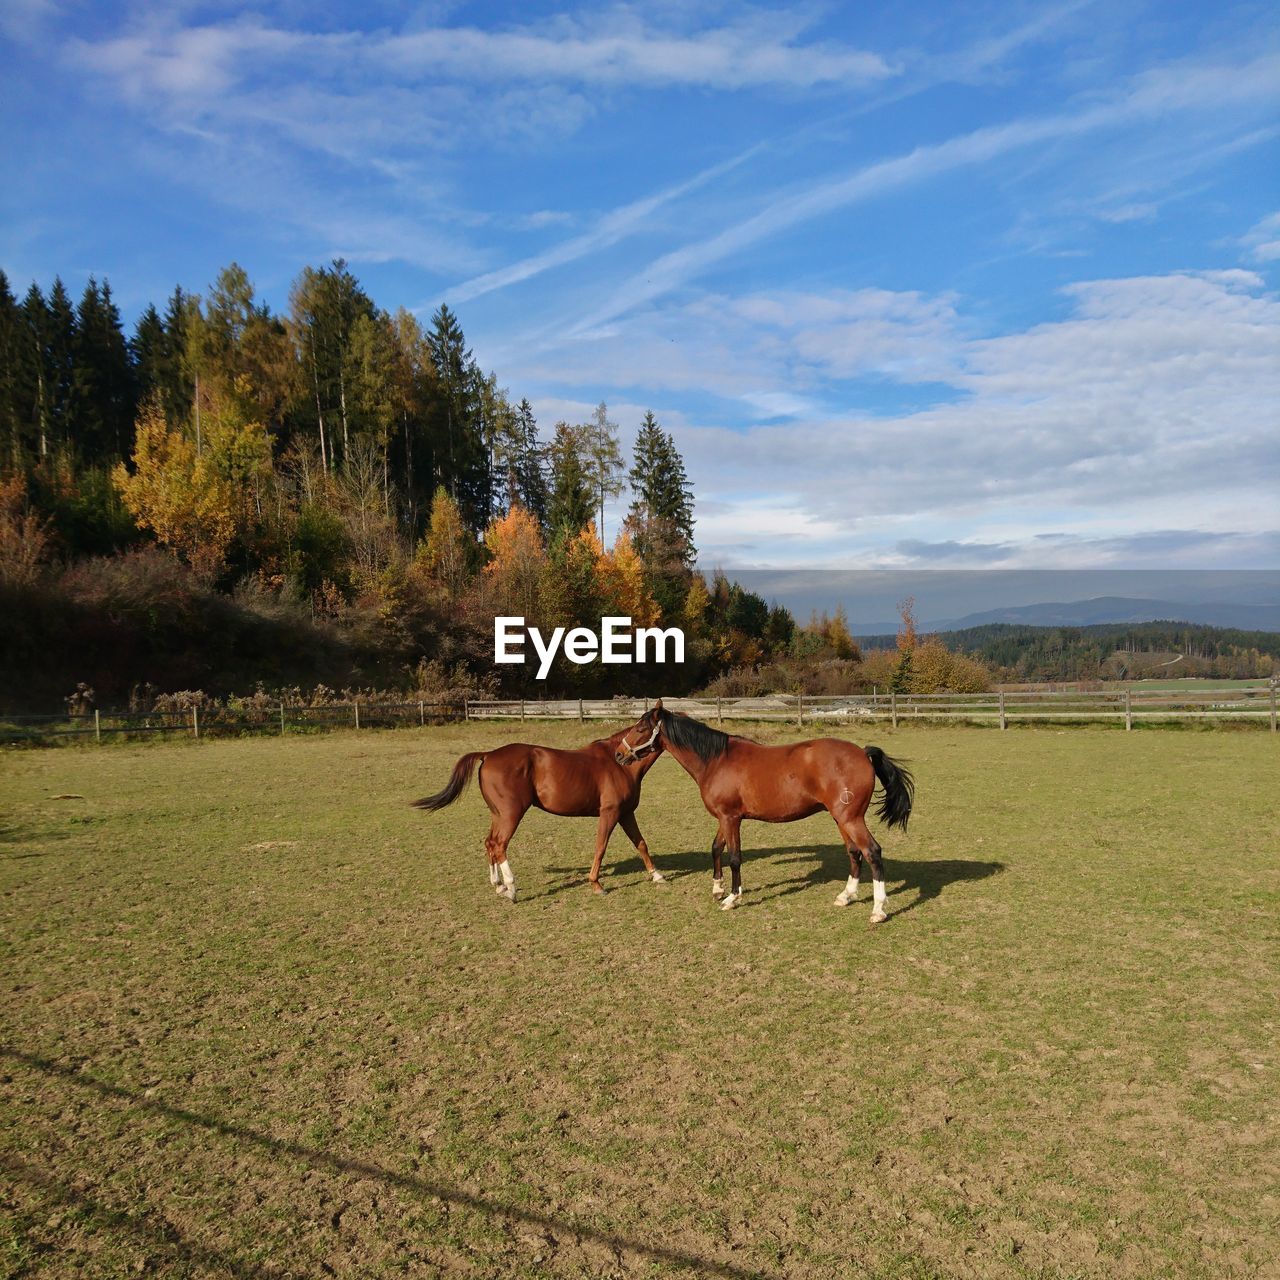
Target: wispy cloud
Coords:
[(1262, 241), (612, 49), (609, 230), (1153, 94)]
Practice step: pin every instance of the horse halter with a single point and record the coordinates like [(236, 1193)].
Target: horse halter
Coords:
[(633, 753)]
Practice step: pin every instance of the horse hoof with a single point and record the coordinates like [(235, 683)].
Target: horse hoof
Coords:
[(658, 878), (596, 888), (843, 899), (878, 917), (717, 891), (500, 890), (730, 902)]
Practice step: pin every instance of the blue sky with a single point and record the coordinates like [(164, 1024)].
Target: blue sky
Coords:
[(919, 285)]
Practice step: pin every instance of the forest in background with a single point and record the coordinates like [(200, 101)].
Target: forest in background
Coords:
[(340, 498), (334, 496)]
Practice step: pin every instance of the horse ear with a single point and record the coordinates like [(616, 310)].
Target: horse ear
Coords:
[(657, 706)]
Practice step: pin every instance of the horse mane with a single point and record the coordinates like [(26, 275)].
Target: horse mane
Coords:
[(684, 731)]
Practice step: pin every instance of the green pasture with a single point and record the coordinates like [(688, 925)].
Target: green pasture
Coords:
[(262, 1019)]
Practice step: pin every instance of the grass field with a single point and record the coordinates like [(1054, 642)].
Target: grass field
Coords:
[(263, 1019)]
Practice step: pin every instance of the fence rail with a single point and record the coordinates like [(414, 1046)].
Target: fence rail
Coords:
[(1256, 704)]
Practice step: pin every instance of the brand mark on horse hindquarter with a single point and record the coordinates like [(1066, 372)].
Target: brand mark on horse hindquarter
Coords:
[(582, 645)]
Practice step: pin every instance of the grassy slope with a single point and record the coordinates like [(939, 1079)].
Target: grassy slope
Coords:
[(262, 1017)]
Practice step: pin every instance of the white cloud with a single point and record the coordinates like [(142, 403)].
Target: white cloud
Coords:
[(609, 230), (1151, 406), (1262, 241), (1151, 95)]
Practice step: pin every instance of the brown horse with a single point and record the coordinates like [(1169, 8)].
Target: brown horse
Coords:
[(589, 782), (741, 779)]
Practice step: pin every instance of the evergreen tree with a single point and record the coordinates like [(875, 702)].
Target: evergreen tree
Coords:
[(101, 399), (462, 452), (32, 374), (661, 516), (147, 355), (662, 509), (11, 449), (176, 373), (59, 365), (570, 507), (519, 461), (602, 459)]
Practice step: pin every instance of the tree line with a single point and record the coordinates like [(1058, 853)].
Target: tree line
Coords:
[(341, 466)]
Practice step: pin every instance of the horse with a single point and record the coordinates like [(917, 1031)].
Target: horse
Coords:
[(589, 782), (741, 779)]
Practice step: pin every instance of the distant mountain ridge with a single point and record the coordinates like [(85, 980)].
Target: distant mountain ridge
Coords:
[(1103, 610)]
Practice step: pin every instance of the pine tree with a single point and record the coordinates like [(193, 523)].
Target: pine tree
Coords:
[(59, 361), (101, 400), (569, 509), (147, 355), (603, 459), (661, 515), (519, 460), (462, 450), (177, 376), (32, 369), (11, 449)]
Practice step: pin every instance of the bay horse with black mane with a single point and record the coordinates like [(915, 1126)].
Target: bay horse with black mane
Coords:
[(591, 781), (741, 779)]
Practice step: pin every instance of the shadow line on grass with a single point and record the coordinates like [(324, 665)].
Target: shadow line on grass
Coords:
[(364, 1169), (157, 1234)]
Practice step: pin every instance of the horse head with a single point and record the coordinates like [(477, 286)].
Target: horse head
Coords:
[(642, 739)]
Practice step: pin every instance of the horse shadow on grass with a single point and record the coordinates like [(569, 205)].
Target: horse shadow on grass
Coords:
[(823, 864), (829, 865)]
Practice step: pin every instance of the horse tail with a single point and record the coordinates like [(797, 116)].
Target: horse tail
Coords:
[(899, 788), (457, 783)]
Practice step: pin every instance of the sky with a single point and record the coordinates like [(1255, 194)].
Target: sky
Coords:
[(913, 286)]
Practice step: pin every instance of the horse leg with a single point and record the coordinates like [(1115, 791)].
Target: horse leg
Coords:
[(717, 880), (856, 832), (608, 820), (850, 891), (733, 830), (501, 829), (629, 824)]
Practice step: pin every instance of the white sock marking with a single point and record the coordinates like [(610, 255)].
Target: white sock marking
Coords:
[(878, 912), (848, 894), (717, 888)]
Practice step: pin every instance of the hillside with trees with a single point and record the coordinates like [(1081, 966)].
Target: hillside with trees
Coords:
[(336, 495), (1111, 651)]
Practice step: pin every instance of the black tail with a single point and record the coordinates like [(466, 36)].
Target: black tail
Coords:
[(457, 783), (899, 788)]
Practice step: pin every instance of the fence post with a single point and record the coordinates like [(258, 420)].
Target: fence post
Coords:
[(522, 711), (466, 709), (282, 719), (582, 719), (195, 722), (893, 706), (356, 705), (1273, 704), (800, 711), (1003, 722), (1128, 709), (719, 711), (97, 724)]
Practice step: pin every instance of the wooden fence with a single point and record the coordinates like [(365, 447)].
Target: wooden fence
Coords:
[(1252, 704)]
